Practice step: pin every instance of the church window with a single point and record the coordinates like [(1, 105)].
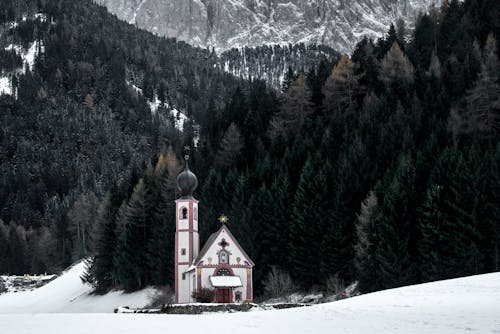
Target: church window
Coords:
[(183, 276), (183, 251), (196, 213), (223, 272), (223, 257), (184, 213)]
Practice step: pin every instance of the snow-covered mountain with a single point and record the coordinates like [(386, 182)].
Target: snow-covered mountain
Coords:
[(226, 24)]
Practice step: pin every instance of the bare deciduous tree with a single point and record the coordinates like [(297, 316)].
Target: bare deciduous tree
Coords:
[(278, 283)]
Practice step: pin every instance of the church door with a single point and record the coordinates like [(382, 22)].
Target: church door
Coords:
[(223, 296)]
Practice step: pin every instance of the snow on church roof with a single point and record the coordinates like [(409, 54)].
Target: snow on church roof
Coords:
[(225, 281)]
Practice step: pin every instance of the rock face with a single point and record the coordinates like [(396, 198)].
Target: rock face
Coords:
[(226, 24)]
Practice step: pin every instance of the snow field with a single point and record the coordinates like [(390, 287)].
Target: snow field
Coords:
[(464, 305), (67, 294)]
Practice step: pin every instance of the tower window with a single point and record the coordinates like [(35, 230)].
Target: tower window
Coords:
[(183, 251), (196, 213), (184, 213)]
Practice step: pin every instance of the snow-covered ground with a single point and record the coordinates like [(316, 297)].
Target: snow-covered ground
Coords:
[(67, 294), (465, 305)]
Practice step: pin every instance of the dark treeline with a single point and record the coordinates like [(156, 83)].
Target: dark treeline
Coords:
[(383, 169), (76, 124)]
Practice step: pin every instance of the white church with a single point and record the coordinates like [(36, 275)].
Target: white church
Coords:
[(221, 265)]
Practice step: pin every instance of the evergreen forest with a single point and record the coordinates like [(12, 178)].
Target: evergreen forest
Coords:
[(382, 167)]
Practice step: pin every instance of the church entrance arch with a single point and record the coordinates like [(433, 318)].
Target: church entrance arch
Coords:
[(223, 295)]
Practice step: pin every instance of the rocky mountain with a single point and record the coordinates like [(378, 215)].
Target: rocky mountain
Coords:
[(226, 24)]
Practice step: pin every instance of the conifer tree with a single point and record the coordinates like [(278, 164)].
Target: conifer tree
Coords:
[(296, 106), (483, 100), (341, 89), (396, 70), (448, 225), (307, 223), (230, 146), (100, 266), (395, 225), (160, 247), (131, 246), (364, 261)]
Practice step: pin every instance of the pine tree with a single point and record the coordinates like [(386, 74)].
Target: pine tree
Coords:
[(129, 265), (296, 106), (100, 267), (364, 261), (341, 89), (395, 224), (448, 221), (160, 247), (230, 146), (307, 223), (483, 100), (396, 70)]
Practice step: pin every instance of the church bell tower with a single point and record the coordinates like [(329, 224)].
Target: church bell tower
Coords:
[(187, 241)]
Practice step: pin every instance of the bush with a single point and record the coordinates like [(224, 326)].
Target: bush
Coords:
[(2, 286), (278, 283), (335, 284), (204, 295), (163, 296)]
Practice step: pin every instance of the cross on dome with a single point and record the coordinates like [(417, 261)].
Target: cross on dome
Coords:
[(187, 150)]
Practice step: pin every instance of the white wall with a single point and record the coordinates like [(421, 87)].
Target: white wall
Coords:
[(234, 253)]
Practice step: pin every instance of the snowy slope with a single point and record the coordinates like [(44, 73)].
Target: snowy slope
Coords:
[(465, 305), (28, 56), (67, 294), (226, 24)]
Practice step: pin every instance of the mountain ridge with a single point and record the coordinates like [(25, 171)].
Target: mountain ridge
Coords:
[(227, 24)]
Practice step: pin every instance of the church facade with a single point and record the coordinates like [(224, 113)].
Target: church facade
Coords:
[(221, 265)]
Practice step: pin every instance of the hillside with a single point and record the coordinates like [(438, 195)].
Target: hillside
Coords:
[(67, 294), (463, 305), (381, 168)]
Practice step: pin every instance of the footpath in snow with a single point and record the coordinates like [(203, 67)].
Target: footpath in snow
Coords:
[(464, 305)]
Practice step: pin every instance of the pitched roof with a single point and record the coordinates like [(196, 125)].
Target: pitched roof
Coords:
[(212, 239)]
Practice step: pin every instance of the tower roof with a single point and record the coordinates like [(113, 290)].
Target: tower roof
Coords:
[(187, 182)]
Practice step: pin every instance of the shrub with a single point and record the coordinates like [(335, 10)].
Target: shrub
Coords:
[(204, 295), (278, 283)]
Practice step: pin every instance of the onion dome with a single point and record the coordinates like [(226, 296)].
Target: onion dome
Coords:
[(187, 182)]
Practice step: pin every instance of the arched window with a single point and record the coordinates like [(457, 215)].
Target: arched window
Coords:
[(183, 213), (195, 213), (223, 257)]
